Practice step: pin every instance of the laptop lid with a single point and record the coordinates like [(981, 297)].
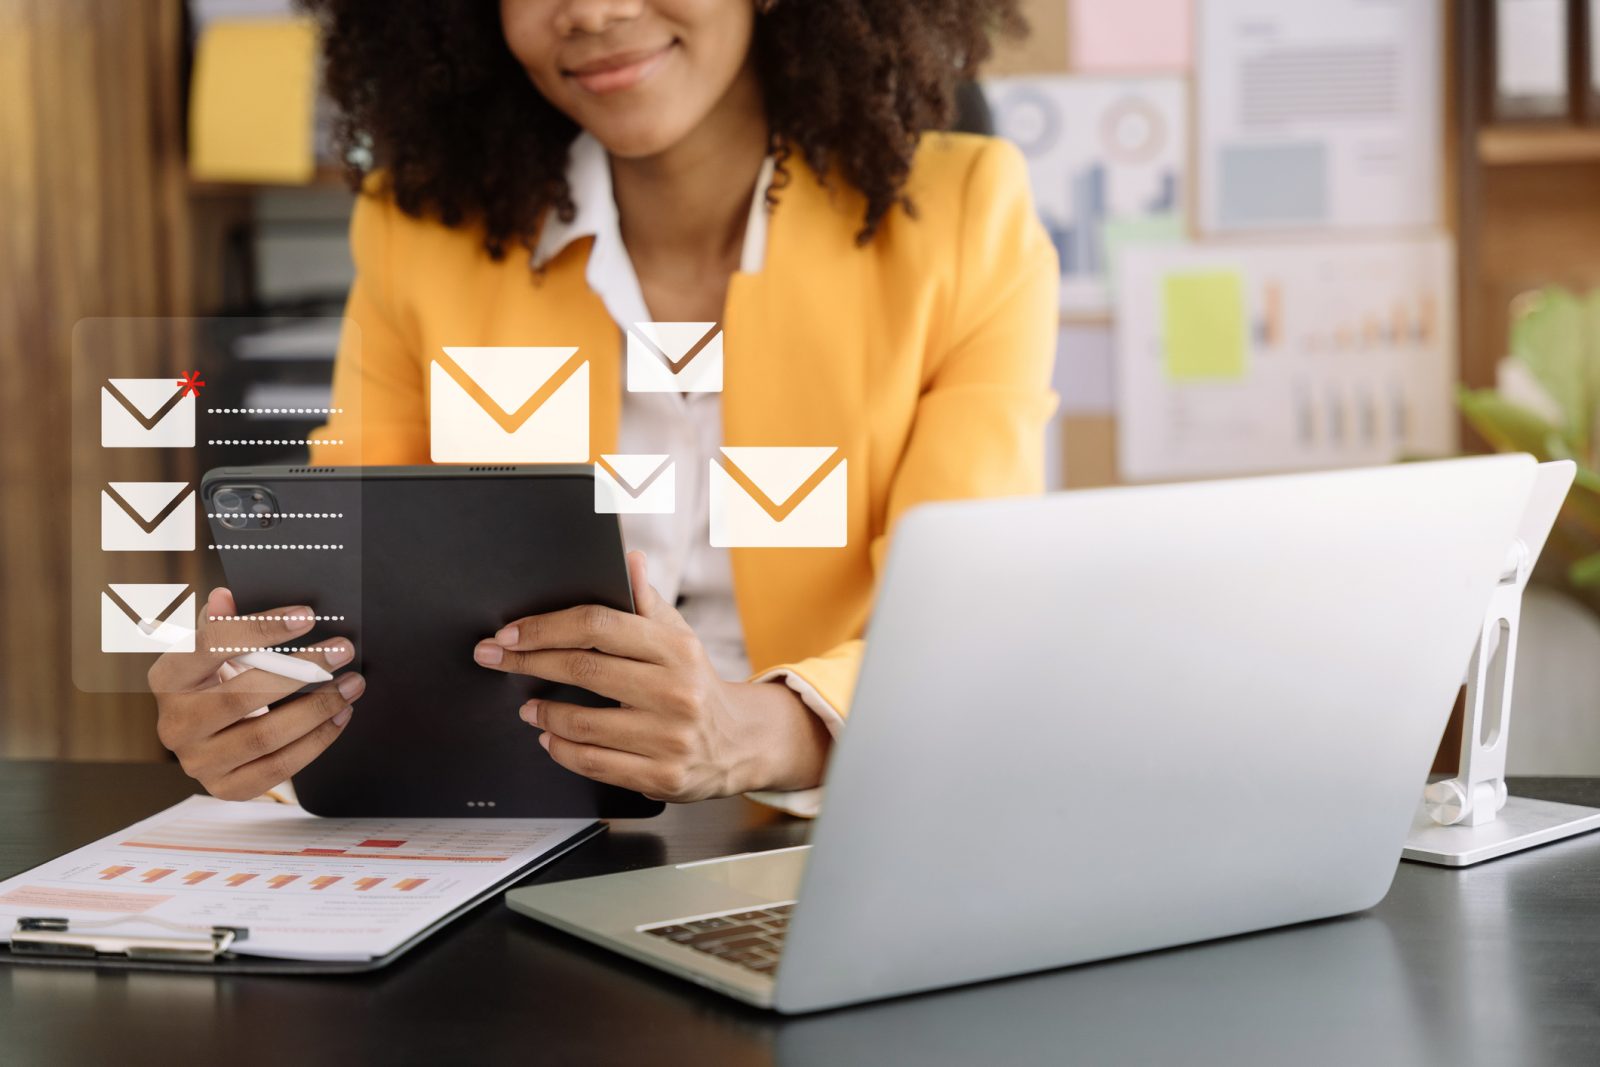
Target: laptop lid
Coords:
[(1103, 722)]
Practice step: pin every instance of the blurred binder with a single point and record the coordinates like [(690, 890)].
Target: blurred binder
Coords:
[(252, 109)]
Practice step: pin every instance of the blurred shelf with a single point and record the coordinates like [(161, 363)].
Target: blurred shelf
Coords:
[(1512, 145), (325, 177)]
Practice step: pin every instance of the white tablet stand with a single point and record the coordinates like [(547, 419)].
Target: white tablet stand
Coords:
[(1470, 818)]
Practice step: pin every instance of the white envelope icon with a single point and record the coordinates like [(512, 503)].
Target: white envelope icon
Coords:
[(779, 498), (635, 485), (675, 357), (167, 611), (145, 413), (147, 517), (509, 405)]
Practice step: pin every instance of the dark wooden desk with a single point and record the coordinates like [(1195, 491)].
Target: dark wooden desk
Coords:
[(1498, 964)]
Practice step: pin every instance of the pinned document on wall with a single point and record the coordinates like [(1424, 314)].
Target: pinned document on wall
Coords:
[(1101, 153), (1319, 115), (1128, 36), (1240, 359), (252, 106), (1530, 59)]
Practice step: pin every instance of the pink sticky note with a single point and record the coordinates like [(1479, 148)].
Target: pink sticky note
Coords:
[(1129, 35)]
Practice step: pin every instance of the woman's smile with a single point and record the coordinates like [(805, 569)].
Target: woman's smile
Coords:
[(619, 71)]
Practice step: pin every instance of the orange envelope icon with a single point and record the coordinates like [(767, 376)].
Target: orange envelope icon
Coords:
[(509, 405), (779, 498)]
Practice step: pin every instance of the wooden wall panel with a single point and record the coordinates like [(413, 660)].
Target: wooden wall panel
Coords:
[(1540, 225), (91, 217)]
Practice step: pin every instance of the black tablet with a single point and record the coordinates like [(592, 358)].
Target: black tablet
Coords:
[(416, 565)]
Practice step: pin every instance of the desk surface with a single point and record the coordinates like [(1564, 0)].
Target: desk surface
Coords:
[(1495, 964)]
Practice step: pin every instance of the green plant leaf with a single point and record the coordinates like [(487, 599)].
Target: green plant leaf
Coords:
[(1585, 573), (1549, 338), (1591, 307), (1508, 427)]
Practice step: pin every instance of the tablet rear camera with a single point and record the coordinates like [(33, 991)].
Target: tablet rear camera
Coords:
[(245, 507)]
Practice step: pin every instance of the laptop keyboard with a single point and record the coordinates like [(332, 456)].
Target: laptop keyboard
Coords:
[(752, 939)]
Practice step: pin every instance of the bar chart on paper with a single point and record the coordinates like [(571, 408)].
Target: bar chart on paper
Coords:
[(306, 888), (1245, 359), (1106, 161)]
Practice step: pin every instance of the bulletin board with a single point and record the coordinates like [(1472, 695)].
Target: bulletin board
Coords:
[(1248, 202)]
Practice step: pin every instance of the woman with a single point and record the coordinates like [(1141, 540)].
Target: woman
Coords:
[(552, 171)]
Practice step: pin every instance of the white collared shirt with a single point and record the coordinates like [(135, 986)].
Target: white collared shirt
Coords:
[(683, 565)]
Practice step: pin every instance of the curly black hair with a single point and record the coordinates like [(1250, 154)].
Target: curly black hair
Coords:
[(429, 92)]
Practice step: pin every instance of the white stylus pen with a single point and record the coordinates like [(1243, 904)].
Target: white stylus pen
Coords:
[(278, 663)]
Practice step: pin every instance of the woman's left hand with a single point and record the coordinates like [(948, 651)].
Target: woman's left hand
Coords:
[(682, 732)]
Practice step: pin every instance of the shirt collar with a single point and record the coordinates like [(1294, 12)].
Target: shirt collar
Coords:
[(595, 211)]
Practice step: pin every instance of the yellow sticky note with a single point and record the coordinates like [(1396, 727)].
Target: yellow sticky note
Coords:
[(253, 101), (1203, 330)]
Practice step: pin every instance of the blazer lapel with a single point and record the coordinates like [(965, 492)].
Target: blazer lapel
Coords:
[(797, 348)]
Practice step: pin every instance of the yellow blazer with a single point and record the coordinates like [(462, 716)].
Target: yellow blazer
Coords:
[(925, 356)]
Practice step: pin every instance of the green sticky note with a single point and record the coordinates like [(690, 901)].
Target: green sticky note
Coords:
[(1203, 330), (1136, 230)]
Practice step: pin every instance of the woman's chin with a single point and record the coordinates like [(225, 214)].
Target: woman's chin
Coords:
[(639, 135)]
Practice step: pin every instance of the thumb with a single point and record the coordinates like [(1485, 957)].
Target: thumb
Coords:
[(220, 602), (646, 601)]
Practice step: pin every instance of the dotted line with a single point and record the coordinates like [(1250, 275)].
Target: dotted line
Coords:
[(275, 618), (271, 548), (272, 441), (274, 411), (282, 515), (272, 648)]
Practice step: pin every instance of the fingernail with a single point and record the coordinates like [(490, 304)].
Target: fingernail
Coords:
[(488, 653), (297, 619), (340, 654), (351, 685), (544, 739), (343, 717), (507, 635), (529, 713)]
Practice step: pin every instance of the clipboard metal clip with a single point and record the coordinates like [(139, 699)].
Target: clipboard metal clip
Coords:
[(46, 936)]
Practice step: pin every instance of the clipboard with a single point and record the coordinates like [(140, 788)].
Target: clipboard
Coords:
[(136, 943)]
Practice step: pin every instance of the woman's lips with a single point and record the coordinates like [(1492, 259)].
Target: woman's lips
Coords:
[(624, 70)]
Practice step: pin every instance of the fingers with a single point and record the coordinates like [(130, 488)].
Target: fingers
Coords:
[(625, 680), (619, 633), (622, 729), (198, 715), (606, 765), (223, 632), (255, 754)]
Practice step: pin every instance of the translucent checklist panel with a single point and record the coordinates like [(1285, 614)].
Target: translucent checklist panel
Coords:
[(191, 470)]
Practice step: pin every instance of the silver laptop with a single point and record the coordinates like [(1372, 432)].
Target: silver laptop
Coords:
[(1100, 723)]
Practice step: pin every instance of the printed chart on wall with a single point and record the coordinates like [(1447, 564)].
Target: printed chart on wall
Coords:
[(1251, 358), (305, 888), (1106, 161), (1324, 114)]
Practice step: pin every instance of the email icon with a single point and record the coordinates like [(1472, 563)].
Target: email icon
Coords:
[(779, 498), (147, 517), (634, 485), (146, 413), (155, 617), (675, 357), (509, 405)]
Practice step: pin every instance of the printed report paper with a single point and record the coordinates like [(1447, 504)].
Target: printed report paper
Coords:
[(306, 888)]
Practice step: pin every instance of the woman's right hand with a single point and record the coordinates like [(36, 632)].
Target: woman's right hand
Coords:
[(206, 705)]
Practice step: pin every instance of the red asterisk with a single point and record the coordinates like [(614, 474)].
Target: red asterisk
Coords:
[(191, 383)]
